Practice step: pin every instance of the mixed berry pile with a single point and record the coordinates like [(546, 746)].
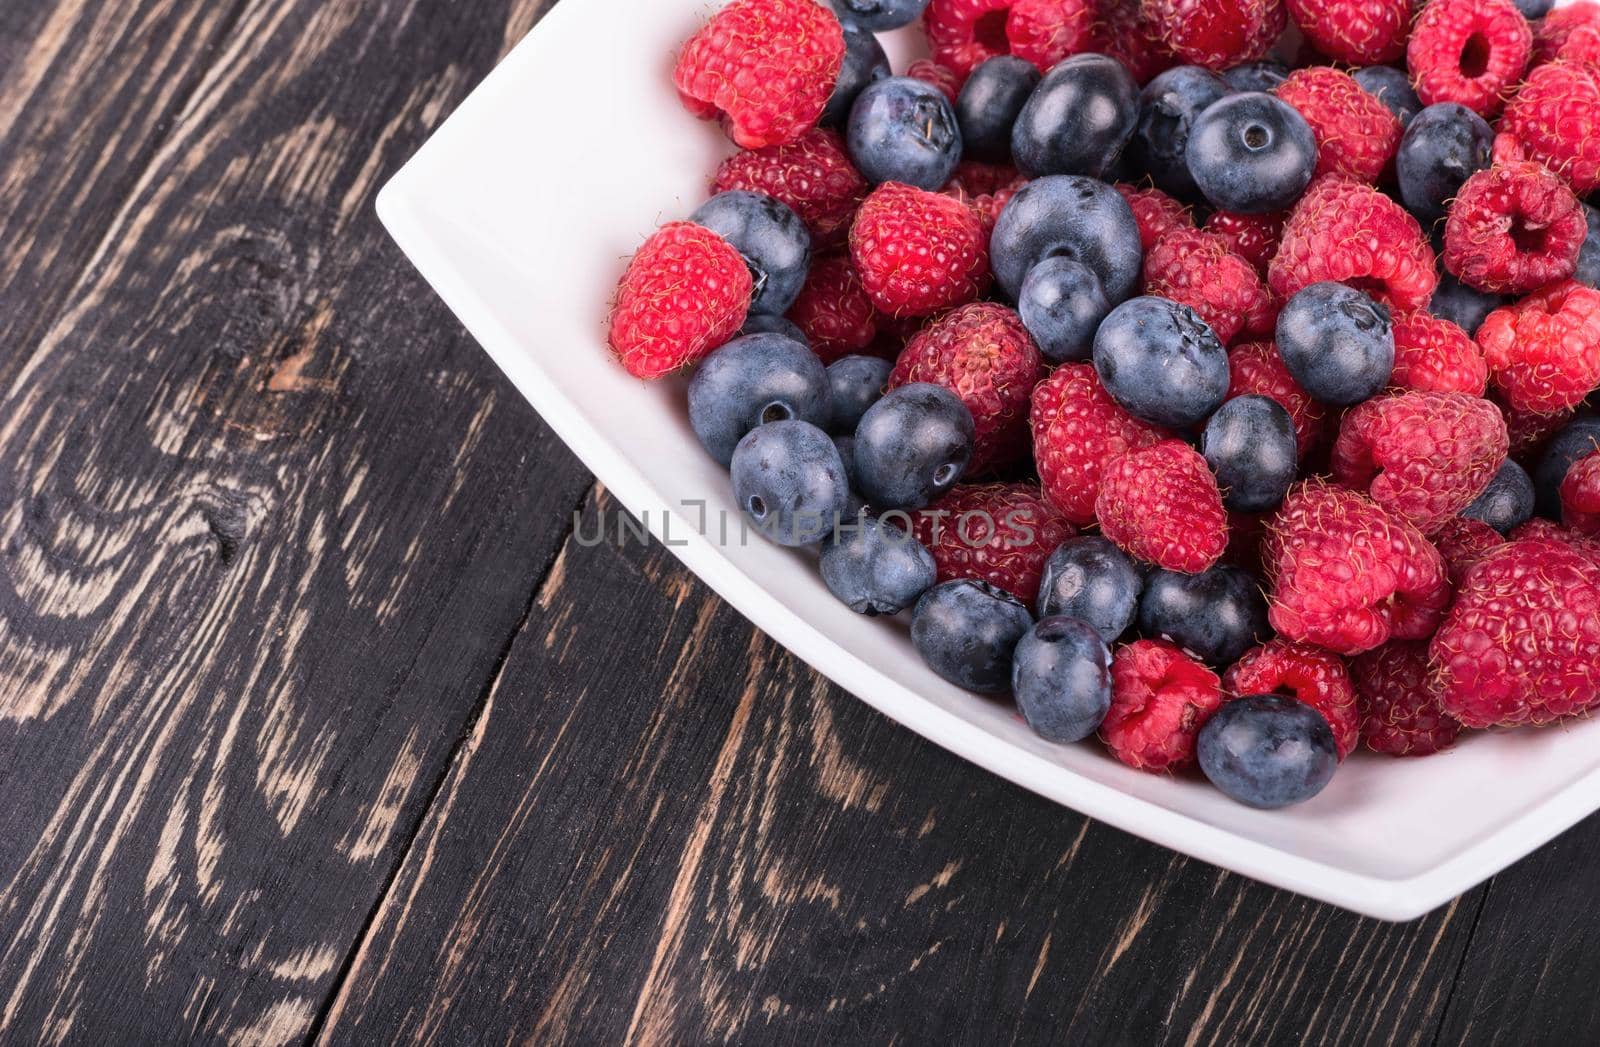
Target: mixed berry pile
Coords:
[(1215, 376)]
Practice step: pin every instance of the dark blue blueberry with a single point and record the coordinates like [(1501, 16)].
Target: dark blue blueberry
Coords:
[(967, 630), (1579, 438), (772, 239), (766, 323), (1256, 76), (878, 15), (1066, 216), (1532, 9), (1337, 343), (912, 446), (1462, 305), (876, 568), (790, 482), (1216, 615), (1161, 362), (1588, 272), (1268, 751), (856, 383), (753, 380), (988, 105), (1090, 579), (1078, 119), (1441, 149), (1168, 106), (1252, 153), (1250, 444), (904, 130), (854, 506), (1061, 678), (1062, 305), (864, 63), (1393, 88), (1507, 501)]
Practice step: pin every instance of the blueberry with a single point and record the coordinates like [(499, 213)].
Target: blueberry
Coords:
[(1579, 438), (967, 630), (864, 63), (1393, 88), (1090, 579), (846, 446), (875, 567), (1507, 501), (1337, 343), (1061, 678), (988, 105), (856, 383), (1069, 217), (1532, 9), (1463, 305), (1256, 76), (878, 15), (1268, 751), (772, 239), (790, 482), (752, 380), (1161, 362), (1252, 153), (1216, 615), (1588, 271), (766, 323), (912, 446), (1250, 444), (1441, 149), (904, 130), (1078, 119), (1062, 305), (1168, 106)]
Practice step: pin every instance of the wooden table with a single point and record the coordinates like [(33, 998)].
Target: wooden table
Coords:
[(315, 721)]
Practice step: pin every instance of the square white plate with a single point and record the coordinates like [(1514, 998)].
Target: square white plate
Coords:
[(522, 211)]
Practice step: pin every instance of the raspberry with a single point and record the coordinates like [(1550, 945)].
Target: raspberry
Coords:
[(1399, 701), (812, 175), (1468, 51), (1046, 31), (965, 33), (1253, 237), (986, 188), (1160, 504), (1217, 34), (685, 293), (1555, 119), (1199, 270), (1551, 33), (1433, 355), (1580, 497), (982, 353), (918, 252), (1540, 529), (1583, 45), (1422, 456), (1463, 541), (767, 66), (1349, 576), (1257, 368), (1514, 228), (1529, 431), (1001, 533), (1156, 213), (1544, 351), (1350, 233), (1077, 429), (943, 77), (1317, 678), (1124, 33), (1356, 32), (833, 311), (1522, 642), (1356, 134), (1160, 698)]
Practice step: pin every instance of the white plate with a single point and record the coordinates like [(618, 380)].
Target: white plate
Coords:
[(522, 210)]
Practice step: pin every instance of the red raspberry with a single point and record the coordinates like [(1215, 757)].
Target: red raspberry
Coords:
[(1422, 456), (1583, 45), (1540, 529), (1161, 505), (1350, 233), (1463, 541), (1468, 51), (1002, 533), (833, 311), (1077, 429), (1555, 119), (1356, 134), (1356, 32), (812, 174), (943, 77), (1257, 369), (1514, 228), (1433, 355), (1124, 33), (1317, 678), (1529, 431), (1522, 642), (1218, 33), (1580, 496), (1200, 271), (767, 66), (1156, 213), (986, 188), (1046, 31), (1399, 701), (686, 292), (1160, 698), (965, 33), (918, 252), (982, 353), (1551, 33), (1349, 576), (1253, 237), (1542, 350)]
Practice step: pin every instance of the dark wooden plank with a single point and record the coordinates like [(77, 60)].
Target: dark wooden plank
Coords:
[(267, 521), (667, 828)]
